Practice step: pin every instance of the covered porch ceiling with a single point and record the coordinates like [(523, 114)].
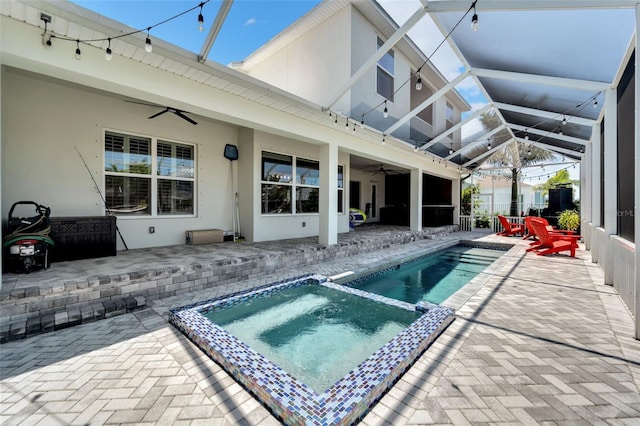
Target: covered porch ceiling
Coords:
[(545, 67)]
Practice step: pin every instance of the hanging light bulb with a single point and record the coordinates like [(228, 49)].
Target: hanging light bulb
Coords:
[(489, 146), (526, 135), (385, 112), (415, 149), (419, 82), (474, 19), (354, 127), (529, 151), (560, 133), (346, 124), (201, 19), (78, 53), (147, 42), (107, 53), (383, 139), (362, 122), (595, 104), (335, 122), (450, 151), (564, 120)]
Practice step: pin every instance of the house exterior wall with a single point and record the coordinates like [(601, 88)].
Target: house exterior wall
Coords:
[(313, 62), (44, 120), (280, 226), (52, 103)]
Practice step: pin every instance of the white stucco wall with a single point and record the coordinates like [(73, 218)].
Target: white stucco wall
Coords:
[(312, 63), (44, 119), (267, 227)]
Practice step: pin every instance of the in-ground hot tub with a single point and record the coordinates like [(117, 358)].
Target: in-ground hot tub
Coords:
[(302, 317)]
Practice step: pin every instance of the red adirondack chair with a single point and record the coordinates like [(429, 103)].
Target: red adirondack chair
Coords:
[(531, 233), (552, 242), (510, 228)]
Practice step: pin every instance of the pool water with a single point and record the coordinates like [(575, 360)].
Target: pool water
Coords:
[(433, 278), (316, 334)]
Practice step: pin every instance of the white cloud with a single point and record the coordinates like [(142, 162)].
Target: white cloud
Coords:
[(250, 21)]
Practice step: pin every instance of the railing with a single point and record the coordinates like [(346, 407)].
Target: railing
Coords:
[(494, 223)]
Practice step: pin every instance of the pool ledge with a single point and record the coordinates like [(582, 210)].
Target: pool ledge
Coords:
[(293, 402)]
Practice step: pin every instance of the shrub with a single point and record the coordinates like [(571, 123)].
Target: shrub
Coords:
[(569, 219)]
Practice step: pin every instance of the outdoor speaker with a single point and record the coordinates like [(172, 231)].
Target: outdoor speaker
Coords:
[(231, 152)]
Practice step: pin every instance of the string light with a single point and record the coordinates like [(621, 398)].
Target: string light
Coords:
[(564, 120), (107, 53), (362, 122), (383, 139), (474, 18), (489, 146), (385, 112), (335, 123), (201, 19), (147, 42), (419, 82), (148, 47), (595, 104)]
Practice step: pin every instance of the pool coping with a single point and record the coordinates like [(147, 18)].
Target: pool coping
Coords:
[(293, 402)]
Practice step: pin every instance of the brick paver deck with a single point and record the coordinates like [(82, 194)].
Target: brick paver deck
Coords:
[(538, 341)]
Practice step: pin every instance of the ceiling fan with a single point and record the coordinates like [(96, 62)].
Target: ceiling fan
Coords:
[(180, 113), (384, 171)]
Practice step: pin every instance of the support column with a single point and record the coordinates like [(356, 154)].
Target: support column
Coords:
[(328, 221), (456, 195), (596, 178), (610, 219), (637, 177), (586, 209), (415, 208)]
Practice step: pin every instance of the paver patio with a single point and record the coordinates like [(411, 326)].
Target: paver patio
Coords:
[(537, 340)]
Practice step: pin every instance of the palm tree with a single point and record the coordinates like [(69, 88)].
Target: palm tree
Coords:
[(515, 156)]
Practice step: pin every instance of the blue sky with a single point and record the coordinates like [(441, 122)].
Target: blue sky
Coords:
[(249, 25)]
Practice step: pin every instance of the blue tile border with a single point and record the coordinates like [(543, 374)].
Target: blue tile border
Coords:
[(293, 402)]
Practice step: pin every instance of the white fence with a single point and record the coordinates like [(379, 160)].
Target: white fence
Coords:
[(494, 222)]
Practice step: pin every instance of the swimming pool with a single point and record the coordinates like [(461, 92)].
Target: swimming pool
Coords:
[(431, 278), (289, 398)]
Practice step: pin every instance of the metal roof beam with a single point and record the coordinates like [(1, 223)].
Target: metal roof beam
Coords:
[(544, 114), (456, 126), (549, 134), (431, 99), (553, 148), (596, 86), (469, 145), (519, 5), (373, 59), (214, 30), (488, 153)]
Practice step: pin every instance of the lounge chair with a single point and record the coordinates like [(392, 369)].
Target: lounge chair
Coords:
[(510, 228), (531, 233), (552, 242)]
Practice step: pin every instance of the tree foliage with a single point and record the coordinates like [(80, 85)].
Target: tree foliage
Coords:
[(561, 176), (514, 155)]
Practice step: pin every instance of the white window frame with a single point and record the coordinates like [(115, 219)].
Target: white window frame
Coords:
[(293, 183), (153, 176), (380, 68)]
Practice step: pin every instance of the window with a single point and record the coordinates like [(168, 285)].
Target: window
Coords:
[(288, 189), (139, 170), (449, 115), (385, 71)]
